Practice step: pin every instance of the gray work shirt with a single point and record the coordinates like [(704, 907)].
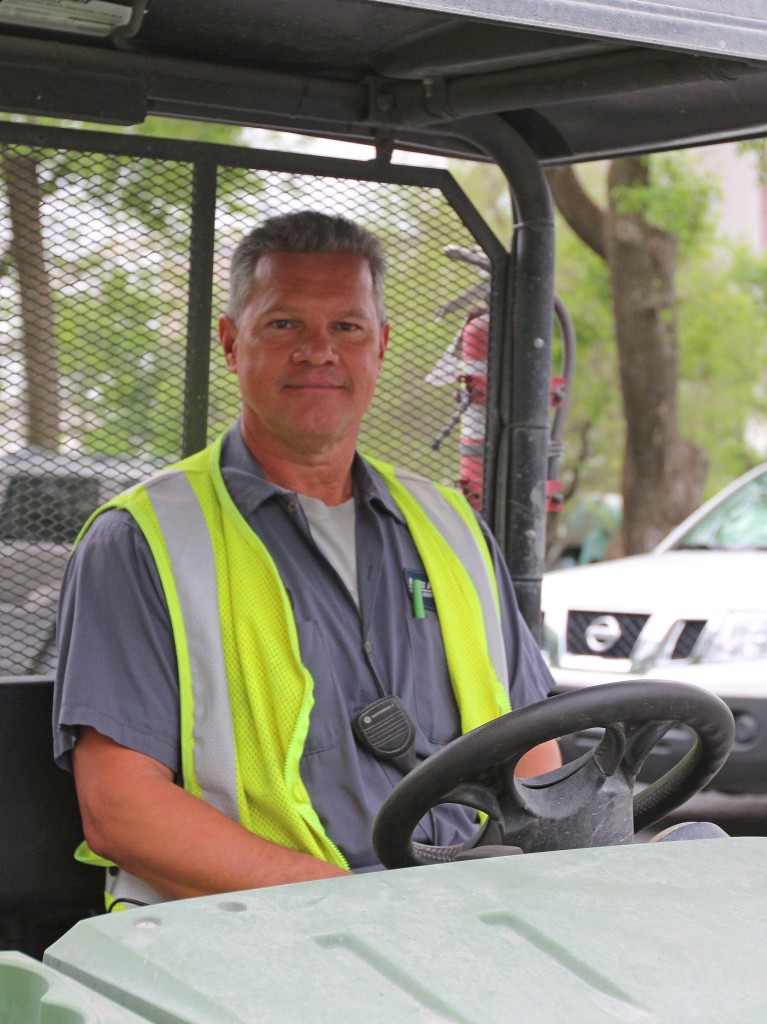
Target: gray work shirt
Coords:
[(117, 663)]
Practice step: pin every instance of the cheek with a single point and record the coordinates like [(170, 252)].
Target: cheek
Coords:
[(367, 381), (261, 376), (253, 364)]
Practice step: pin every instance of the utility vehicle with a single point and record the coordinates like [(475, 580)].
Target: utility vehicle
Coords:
[(114, 240)]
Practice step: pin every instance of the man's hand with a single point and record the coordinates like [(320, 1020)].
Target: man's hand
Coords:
[(135, 815)]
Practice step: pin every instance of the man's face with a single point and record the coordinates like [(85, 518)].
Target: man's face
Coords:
[(307, 349)]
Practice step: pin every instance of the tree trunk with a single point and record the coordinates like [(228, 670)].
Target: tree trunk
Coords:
[(663, 474), (39, 344)]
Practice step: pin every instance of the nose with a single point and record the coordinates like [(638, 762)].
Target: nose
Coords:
[(316, 348)]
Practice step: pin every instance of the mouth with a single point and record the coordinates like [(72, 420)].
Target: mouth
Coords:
[(315, 385)]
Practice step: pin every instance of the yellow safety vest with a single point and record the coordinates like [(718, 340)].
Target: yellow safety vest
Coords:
[(245, 695)]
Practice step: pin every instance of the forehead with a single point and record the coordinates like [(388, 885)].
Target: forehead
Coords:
[(312, 275)]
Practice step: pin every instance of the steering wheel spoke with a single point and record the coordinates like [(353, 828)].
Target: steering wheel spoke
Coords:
[(611, 752), (640, 739), (475, 795)]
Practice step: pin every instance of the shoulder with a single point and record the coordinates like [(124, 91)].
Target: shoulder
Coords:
[(112, 543), (113, 526)]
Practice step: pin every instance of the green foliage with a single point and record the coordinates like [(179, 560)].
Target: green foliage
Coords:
[(117, 256), (722, 325), (594, 427), (678, 197), (723, 358), (154, 127), (757, 149), (722, 322), (487, 188)]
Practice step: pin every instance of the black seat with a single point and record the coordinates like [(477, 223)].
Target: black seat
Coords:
[(43, 890)]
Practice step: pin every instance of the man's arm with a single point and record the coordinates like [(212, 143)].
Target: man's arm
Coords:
[(529, 678), (117, 702), (543, 758), (135, 815)]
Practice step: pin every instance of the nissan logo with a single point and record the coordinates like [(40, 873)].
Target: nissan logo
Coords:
[(602, 633)]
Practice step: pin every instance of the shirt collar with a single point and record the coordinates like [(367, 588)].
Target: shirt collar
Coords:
[(243, 476), (249, 488), (372, 489)]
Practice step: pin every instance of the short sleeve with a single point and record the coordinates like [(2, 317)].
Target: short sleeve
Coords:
[(529, 678), (117, 664)]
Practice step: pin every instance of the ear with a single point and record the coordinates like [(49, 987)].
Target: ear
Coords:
[(227, 334), (384, 341)]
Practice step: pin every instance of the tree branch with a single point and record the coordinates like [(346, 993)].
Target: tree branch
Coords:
[(584, 216)]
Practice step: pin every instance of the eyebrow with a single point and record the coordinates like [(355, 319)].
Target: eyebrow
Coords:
[(295, 311), (360, 313)]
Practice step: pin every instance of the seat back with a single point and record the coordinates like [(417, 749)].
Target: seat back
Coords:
[(43, 890)]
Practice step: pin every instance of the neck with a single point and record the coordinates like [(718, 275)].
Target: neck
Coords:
[(318, 471)]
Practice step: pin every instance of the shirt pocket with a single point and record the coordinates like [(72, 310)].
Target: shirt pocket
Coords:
[(436, 709), (329, 715)]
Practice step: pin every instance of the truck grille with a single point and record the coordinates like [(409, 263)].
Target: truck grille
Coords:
[(578, 624), (686, 639)]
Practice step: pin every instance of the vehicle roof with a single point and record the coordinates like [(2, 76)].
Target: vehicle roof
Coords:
[(578, 79)]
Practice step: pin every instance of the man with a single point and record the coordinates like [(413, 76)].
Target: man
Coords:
[(222, 626)]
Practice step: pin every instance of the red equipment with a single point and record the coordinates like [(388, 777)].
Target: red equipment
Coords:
[(473, 352), (470, 350)]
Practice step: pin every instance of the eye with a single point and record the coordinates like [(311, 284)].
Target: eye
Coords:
[(347, 327), (281, 324)]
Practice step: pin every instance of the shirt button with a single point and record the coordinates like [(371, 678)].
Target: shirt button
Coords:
[(368, 646), (292, 506)]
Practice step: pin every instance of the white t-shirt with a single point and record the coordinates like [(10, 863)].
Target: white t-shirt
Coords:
[(332, 528)]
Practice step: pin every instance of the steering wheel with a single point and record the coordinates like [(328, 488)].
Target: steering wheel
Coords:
[(588, 802)]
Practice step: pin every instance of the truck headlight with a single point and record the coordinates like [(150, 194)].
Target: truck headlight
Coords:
[(742, 637)]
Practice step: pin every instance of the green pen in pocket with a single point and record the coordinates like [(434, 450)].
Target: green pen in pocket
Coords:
[(418, 612)]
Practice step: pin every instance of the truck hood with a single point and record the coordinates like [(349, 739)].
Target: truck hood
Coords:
[(695, 584)]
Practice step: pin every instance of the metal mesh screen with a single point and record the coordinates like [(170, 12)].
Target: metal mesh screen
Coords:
[(96, 252)]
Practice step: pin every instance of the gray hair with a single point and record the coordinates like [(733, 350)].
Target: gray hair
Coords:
[(304, 231)]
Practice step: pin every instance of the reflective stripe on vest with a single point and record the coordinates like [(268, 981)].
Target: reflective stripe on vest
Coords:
[(176, 511), (188, 543)]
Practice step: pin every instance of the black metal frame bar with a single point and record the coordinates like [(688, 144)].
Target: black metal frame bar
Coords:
[(199, 307), (520, 367)]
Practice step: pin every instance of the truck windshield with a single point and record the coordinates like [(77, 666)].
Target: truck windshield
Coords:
[(739, 522)]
